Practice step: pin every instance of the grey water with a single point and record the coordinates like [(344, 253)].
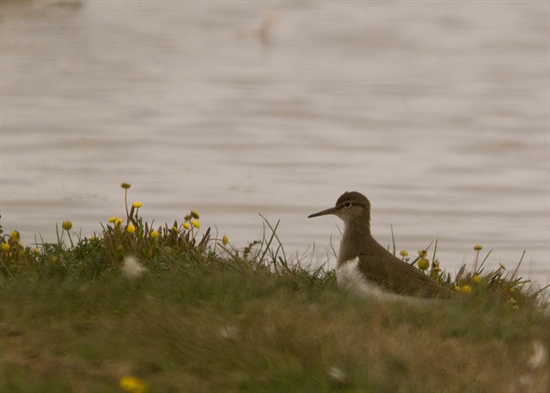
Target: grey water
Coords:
[(438, 112)]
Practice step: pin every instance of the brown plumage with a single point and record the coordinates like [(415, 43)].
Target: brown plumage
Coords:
[(376, 264)]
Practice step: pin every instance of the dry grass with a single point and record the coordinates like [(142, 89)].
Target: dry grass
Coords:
[(226, 330)]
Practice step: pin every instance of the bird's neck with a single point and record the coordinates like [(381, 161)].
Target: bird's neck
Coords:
[(356, 239)]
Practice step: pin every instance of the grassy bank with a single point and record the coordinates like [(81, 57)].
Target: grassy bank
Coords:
[(79, 316)]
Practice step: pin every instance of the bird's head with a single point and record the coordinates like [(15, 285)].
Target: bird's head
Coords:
[(349, 207)]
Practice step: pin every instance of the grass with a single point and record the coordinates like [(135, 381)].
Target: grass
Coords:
[(206, 316)]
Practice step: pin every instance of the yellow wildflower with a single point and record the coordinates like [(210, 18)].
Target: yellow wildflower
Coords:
[(118, 221), (478, 247), (196, 223), (134, 385), (131, 228), (195, 214), (464, 289), (15, 235), (67, 225), (154, 234), (6, 247), (423, 264), (137, 204), (126, 185), (225, 240), (476, 279), (36, 250), (422, 253), (112, 219), (186, 225), (403, 253)]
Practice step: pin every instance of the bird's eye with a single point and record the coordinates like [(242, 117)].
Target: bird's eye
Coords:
[(347, 204)]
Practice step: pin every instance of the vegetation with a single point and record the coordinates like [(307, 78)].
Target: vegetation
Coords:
[(139, 308)]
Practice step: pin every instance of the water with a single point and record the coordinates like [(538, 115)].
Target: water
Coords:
[(438, 112)]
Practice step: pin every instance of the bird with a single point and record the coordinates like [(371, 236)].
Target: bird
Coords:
[(366, 267)]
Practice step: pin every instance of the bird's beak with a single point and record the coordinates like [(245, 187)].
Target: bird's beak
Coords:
[(332, 210)]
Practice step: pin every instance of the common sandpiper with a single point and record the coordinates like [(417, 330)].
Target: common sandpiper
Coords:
[(367, 267)]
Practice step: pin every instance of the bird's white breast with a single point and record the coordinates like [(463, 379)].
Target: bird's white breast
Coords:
[(350, 277)]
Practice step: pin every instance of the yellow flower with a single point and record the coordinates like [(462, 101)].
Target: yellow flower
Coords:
[(36, 250), (137, 204), (403, 253), (126, 185), (118, 221), (67, 225), (478, 247), (6, 247), (225, 240), (112, 219), (423, 264), (186, 225), (464, 289), (15, 235), (134, 385), (131, 228), (476, 279), (196, 223), (195, 214), (154, 234), (422, 253)]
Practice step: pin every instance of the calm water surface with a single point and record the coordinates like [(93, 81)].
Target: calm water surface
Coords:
[(438, 112)]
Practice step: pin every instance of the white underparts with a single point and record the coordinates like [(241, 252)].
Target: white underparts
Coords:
[(350, 278)]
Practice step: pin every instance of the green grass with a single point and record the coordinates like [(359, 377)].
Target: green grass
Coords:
[(206, 317)]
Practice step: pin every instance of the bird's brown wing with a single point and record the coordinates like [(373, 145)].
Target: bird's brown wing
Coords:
[(398, 276)]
